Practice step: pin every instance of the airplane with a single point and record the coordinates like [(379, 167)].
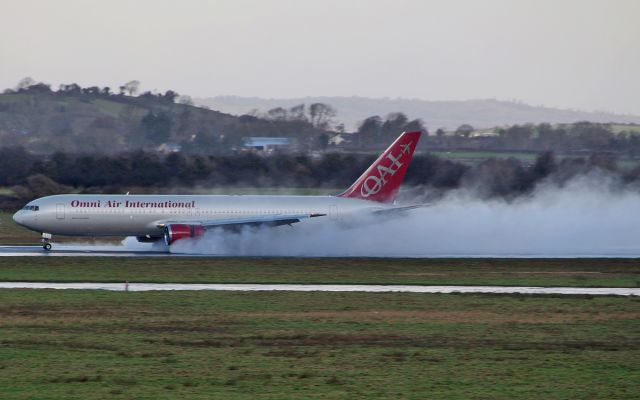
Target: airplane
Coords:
[(152, 218)]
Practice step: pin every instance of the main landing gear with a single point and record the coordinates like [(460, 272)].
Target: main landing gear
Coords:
[(46, 237)]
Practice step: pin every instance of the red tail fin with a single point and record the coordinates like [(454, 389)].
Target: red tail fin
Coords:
[(382, 180)]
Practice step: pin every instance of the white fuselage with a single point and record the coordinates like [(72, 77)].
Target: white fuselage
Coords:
[(144, 215)]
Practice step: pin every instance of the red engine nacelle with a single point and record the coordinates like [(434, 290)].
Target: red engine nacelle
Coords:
[(173, 232)]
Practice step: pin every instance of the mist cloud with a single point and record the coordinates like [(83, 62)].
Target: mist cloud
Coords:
[(589, 216)]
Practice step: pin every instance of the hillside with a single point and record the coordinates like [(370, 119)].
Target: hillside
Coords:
[(435, 114), (44, 121)]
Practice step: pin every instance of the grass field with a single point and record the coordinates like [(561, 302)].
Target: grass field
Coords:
[(523, 272), (631, 128), (478, 156), (201, 345)]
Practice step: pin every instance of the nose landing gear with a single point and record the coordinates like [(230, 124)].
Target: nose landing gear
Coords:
[(46, 237)]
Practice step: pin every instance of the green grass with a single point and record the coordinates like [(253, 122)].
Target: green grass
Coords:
[(627, 164), (525, 272), (13, 97), (201, 345), (111, 108), (631, 128), (476, 156)]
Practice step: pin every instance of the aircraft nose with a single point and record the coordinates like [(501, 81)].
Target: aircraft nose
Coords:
[(18, 218)]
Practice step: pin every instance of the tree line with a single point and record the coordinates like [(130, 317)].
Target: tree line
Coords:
[(567, 138), (32, 176)]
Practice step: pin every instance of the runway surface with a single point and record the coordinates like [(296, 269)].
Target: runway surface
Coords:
[(62, 250), (147, 250), (144, 287)]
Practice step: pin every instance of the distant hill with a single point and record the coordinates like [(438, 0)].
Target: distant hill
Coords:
[(90, 121), (435, 114)]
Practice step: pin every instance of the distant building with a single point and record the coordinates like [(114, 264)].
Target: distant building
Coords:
[(484, 133), (343, 140), (337, 140), (167, 148), (267, 144)]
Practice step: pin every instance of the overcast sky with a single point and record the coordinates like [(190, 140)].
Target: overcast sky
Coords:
[(581, 54)]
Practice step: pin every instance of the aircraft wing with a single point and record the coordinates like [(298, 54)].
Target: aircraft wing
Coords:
[(250, 220), (398, 210)]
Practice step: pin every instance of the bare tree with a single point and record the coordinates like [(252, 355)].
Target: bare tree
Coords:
[(464, 130), (71, 88), (321, 115), (277, 114), (170, 96), (296, 113), (396, 122), (186, 100), (369, 131), (131, 87), (25, 83)]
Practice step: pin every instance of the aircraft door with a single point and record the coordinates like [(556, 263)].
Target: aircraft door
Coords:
[(59, 211)]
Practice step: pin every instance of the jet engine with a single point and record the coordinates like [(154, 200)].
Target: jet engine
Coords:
[(173, 232)]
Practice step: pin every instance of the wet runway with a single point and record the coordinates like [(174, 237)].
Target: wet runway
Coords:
[(143, 287), (135, 249), (80, 250)]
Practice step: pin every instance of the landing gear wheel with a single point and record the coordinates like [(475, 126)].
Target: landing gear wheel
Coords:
[(46, 237)]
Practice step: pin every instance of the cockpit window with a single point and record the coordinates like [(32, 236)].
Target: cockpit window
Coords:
[(31, 208)]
